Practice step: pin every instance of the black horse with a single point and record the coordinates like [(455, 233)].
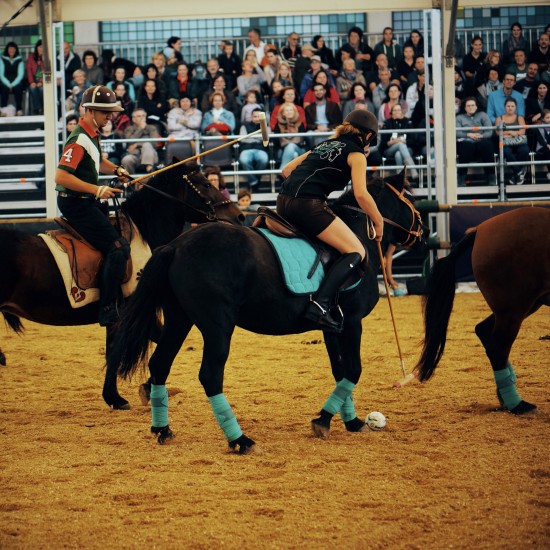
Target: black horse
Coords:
[(218, 278), (31, 285)]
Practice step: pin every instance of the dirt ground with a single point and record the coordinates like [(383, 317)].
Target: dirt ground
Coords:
[(449, 471)]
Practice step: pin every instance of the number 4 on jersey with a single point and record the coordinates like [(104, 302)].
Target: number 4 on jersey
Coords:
[(68, 155)]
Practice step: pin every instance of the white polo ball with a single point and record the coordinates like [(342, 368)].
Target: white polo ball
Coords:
[(376, 421)]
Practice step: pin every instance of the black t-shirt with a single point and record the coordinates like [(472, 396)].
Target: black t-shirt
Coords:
[(324, 170)]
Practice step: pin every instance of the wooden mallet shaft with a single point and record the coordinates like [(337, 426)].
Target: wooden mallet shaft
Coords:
[(391, 308), (265, 140)]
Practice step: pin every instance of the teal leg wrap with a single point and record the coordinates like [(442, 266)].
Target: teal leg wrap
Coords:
[(507, 388), (338, 396), (347, 410), (225, 417), (511, 370), (159, 405)]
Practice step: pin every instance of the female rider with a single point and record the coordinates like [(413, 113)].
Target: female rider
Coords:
[(309, 179)]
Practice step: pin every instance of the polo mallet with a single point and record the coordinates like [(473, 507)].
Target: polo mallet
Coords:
[(381, 256), (262, 130), (372, 235)]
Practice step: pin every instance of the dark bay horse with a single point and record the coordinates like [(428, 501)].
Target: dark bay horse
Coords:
[(218, 279), (511, 266), (31, 286)]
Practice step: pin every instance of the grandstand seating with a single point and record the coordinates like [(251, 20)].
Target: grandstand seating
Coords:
[(22, 166)]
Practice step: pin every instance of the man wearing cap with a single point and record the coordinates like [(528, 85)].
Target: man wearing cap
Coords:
[(79, 194), (309, 180), (307, 81)]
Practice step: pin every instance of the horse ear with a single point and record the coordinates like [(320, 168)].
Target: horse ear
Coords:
[(398, 180), (175, 160)]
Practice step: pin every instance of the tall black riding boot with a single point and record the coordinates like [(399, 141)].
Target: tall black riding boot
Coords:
[(319, 309)]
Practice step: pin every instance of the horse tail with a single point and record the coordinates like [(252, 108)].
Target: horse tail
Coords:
[(13, 322), (438, 305), (138, 325)]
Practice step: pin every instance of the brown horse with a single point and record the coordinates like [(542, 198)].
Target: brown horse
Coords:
[(31, 286), (511, 266)]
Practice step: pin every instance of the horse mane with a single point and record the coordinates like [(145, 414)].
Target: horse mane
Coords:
[(375, 186), (145, 204)]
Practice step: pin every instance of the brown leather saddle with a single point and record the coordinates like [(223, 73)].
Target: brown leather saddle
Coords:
[(85, 260), (269, 219)]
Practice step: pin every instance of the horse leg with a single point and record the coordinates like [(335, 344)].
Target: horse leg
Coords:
[(145, 388), (497, 336), (347, 371), (215, 353), (16, 325), (175, 332), (347, 410), (110, 391)]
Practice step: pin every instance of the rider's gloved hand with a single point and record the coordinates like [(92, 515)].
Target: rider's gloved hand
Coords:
[(122, 174)]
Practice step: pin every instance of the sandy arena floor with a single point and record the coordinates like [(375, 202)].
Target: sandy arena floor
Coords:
[(449, 471)]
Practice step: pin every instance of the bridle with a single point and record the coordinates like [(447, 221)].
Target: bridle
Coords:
[(412, 235), (210, 215)]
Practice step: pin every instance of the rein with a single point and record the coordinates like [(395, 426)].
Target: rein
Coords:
[(210, 216), (412, 235)]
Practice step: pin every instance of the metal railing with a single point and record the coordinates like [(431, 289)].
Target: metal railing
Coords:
[(423, 165)]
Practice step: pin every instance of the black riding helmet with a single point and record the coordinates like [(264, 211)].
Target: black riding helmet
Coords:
[(100, 98), (366, 123)]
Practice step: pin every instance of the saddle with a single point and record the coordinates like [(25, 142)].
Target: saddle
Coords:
[(269, 219), (85, 260), (325, 255)]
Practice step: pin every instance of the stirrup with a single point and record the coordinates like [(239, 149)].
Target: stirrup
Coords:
[(323, 317)]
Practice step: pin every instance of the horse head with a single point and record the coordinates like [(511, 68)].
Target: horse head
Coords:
[(182, 194), (201, 201), (402, 220), (403, 224)]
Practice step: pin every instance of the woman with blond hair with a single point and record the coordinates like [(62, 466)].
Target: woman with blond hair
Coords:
[(289, 122), (284, 74), (286, 95)]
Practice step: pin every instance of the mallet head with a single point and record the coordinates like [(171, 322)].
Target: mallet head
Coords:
[(263, 128)]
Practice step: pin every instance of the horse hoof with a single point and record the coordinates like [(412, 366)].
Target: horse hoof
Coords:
[(116, 402), (144, 393), (164, 435), (523, 408), (356, 426), (320, 429), (122, 406), (246, 446)]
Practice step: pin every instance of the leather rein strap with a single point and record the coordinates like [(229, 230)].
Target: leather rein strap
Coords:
[(211, 215), (412, 236)]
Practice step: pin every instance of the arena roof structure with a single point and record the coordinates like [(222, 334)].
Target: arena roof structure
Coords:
[(106, 10)]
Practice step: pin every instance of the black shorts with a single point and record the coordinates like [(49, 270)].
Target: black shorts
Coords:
[(310, 216)]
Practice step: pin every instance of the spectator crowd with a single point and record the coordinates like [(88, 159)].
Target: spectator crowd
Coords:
[(305, 89)]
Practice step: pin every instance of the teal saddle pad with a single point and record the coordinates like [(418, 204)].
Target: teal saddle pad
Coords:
[(296, 258)]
